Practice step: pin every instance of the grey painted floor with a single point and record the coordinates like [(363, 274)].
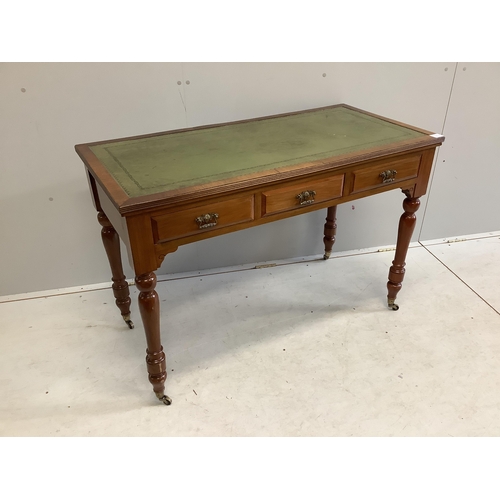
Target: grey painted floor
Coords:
[(299, 349)]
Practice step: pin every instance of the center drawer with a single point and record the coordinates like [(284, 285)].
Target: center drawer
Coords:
[(202, 218), (301, 194)]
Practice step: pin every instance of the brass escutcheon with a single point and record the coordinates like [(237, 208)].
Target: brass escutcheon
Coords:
[(306, 197), (207, 220), (388, 176)]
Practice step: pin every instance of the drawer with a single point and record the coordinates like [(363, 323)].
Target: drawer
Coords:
[(202, 218), (385, 173), (301, 194)]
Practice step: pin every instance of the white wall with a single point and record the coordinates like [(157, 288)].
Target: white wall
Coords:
[(465, 193), (49, 234)]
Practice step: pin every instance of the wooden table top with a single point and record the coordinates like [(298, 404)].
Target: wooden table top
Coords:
[(159, 165)]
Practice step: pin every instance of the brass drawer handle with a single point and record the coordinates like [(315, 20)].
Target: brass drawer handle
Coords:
[(207, 220), (388, 176), (306, 197)]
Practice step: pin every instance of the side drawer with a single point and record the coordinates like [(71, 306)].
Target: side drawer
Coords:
[(297, 195), (202, 218), (385, 173)]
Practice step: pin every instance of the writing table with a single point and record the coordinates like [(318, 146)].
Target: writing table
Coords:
[(159, 191)]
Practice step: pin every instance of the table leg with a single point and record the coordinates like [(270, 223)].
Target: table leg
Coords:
[(330, 231), (149, 305), (405, 231), (120, 286)]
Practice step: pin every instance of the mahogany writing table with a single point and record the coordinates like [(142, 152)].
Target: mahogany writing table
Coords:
[(163, 190)]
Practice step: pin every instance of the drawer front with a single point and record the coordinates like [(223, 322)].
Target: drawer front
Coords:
[(302, 194), (202, 218), (385, 173)]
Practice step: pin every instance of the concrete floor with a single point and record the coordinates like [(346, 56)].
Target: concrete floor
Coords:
[(300, 349)]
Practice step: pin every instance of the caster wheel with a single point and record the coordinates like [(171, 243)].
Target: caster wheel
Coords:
[(127, 320), (166, 400)]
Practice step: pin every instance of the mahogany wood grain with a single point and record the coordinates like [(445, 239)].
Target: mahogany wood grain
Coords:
[(424, 173), (141, 244), (149, 306), (369, 178), (93, 191), (405, 231), (120, 286), (247, 184), (101, 175), (183, 223), (330, 230), (152, 226), (125, 204), (285, 198), (260, 217)]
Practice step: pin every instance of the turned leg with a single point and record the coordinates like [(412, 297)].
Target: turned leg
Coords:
[(405, 230), (120, 285), (330, 230), (149, 305)]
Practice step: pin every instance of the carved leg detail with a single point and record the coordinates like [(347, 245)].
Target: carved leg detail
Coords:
[(120, 286), (330, 231), (405, 231), (149, 305)]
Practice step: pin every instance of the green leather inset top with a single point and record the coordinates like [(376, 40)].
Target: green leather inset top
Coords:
[(184, 159)]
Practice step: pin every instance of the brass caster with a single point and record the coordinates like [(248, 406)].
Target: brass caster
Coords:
[(391, 305), (128, 321), (327, 255), (164, 399)]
